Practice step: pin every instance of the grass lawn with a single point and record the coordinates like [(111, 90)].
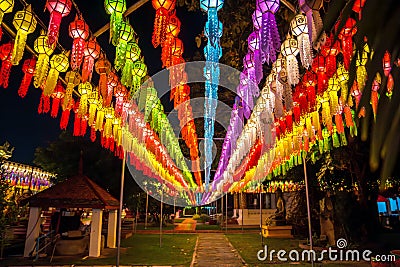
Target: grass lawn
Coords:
[(152, 227), (140, 249), (207, 227), (179, 220), (249, 244)]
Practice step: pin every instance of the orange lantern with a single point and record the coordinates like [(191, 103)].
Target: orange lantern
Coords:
[(79, 30), (57, 96), (29, 69), (91, 52), (163, 9)]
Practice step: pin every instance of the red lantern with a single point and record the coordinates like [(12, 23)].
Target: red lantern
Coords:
[(112, 82), (57, 96), (174, 25), (79, 30), (163, 9), (65, 114), (319, 68), (103, 67), (92, 52), (330, 50), (29, 69), (58, 9), (346, 37), (6, 57)]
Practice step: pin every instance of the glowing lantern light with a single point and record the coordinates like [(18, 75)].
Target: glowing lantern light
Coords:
[(126, 35), (103, 67), (91, 52), (6, 6), (44, 104), (109, 117), (79, 31), (93, 100), (99, 116), (120, 95), (174, 26), (57, 96), (42, 65), (58, 9), (59, 63), (6, 57), (65, 114), (270, 40), (387, 68), (112, 82), (361, 72), (333, 88), (343, 78), (300, 29), (330, 50), (289, 49), (163, 9), (85, 90), (72, 78), (29, 69), (25, 23), (346, 37), (132, 55), (116, 9), (139, 71)]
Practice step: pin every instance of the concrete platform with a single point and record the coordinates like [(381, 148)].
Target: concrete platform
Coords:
[(284, 231)]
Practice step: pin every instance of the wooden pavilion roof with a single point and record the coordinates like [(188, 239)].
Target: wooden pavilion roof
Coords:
[(76, 192)]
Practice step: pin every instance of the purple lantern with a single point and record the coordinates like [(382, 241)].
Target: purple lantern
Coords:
[(270, 40)]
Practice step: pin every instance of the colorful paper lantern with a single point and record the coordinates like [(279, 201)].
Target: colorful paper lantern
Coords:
[(91, 53), (6, 6), (58, 9), (299, 28), (58, 63), (93, 100), (126, 35), (346, 37), (29, 69), (289, 49), (57, 96), (79, 31), (84, 89), (25, 23), (65, 114), (43, 62), (270, 39), (72, 78), (116, 9), (103, 67), (132, 55), (112, 82), (6, 64), (163, 9), (139, 71)]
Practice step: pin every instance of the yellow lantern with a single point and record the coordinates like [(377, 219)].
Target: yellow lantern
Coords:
[(6, 6), (42, 65), (109, 117), (25, 23), (85, 90), (73, 79), (93, 100), (99, 115), (59, 63)]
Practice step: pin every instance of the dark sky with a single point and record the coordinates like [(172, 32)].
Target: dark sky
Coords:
[(21, 124)]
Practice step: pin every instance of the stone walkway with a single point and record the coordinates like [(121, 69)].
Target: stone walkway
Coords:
[(214, 249), (186, 225)]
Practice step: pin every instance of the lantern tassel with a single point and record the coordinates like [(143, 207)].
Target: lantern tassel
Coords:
[(64, 119), (116, 23), (5, 73), (55, 107), (77, 55), (270, 40), (19, 47), (41, 70), (44, 104), (160, 23), (127, 74), (77, 125), (103, 87), (293, 70), (51, 82), (25, 83), (54, 27), (87, 69), (305, 50)]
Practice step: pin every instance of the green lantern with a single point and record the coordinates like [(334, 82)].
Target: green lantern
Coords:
[(116, 9)]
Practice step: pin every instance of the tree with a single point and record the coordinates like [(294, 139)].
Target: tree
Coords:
[(63, 155)]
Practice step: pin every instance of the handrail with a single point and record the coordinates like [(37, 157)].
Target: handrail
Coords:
[(38, 249)]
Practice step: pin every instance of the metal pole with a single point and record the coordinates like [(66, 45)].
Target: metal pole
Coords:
[(241, 207), (222, 211), (308, 207), (121, 198), (147, 210), (161, 217), (226, 213), (260, 196)]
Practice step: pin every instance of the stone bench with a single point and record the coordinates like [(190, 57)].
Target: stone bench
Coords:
[(284, 231)]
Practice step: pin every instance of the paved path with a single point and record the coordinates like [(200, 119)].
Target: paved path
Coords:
[(215, 250), (186, 225)]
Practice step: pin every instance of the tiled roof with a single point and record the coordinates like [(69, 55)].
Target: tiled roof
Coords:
[(76, 192)]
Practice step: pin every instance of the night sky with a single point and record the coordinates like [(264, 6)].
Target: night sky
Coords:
[(21, 125)]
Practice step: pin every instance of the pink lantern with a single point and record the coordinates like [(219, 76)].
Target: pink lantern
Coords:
[(58, 9)]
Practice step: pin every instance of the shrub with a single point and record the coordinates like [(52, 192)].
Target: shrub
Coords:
[(204, 218), (196, 217)]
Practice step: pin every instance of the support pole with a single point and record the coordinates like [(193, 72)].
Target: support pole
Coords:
[(121, 198), (260, 200), (308, 207), (226, 213), (147, 210), (161, 215)]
